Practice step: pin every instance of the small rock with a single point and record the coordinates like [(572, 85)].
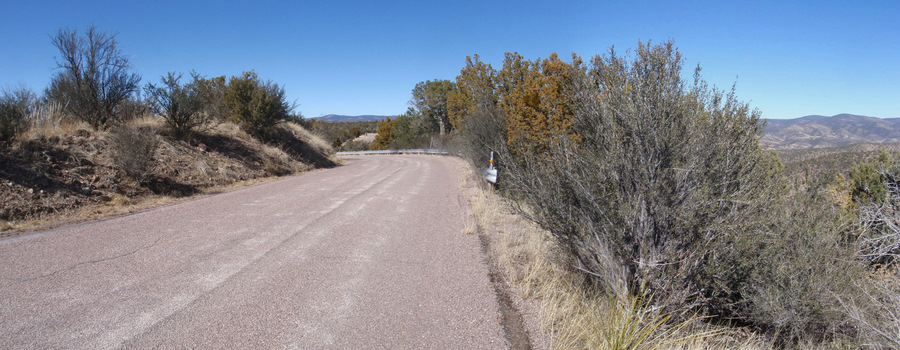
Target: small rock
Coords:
[(30, 191), (96, 193), (86, 190)]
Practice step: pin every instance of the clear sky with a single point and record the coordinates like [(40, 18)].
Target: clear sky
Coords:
[(788, 58)]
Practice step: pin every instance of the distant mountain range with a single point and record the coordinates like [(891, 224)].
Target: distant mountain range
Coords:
[(336, 118), (816, 131), (812, 131)]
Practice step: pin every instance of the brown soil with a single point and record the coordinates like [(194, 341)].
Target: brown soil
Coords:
[(52, 175)]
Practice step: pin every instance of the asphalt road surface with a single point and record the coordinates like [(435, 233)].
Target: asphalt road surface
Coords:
[(368, 255)]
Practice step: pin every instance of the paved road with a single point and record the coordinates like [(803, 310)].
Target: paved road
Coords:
[(368, 255)]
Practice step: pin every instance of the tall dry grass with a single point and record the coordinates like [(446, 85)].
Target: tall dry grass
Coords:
[(49, 119)]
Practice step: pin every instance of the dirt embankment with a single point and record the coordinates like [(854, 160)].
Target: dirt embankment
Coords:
[(71, 172)]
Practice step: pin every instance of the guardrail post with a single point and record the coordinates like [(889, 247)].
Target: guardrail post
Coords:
[(491, 173)]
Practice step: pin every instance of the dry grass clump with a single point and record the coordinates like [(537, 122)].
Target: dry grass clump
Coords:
[(315, 142), (132, 150), (118, 200), (48, 120), (299, 142), (276, 162), (573, 314)]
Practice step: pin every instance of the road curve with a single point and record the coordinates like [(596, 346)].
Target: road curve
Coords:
[(367, 255)]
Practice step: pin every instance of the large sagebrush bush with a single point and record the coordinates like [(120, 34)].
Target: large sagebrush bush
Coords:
[(659, 184)]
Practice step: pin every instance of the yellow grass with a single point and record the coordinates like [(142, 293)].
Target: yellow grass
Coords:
[(313, 140), (59, 129)]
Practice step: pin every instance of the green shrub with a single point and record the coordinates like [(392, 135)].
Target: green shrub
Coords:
[(407, 132), (212, 95), (802, 269), (254, 105), (182, 106)]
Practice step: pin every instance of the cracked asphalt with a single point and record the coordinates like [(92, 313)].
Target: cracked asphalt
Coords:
[(370, 255)]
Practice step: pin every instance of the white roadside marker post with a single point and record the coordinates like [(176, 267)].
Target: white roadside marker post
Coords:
[(491, 173)]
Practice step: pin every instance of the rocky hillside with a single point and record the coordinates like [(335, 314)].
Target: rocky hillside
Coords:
[(72, 172), (816, 131)]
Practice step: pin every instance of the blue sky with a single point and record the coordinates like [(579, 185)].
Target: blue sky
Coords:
[(789, 59)]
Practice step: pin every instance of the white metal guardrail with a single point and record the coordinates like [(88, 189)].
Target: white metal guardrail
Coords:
[(394, 151), (490, 173)]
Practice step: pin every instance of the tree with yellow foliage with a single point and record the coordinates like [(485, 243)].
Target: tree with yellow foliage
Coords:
[(474, 89), (535, 98), (385, 135)]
